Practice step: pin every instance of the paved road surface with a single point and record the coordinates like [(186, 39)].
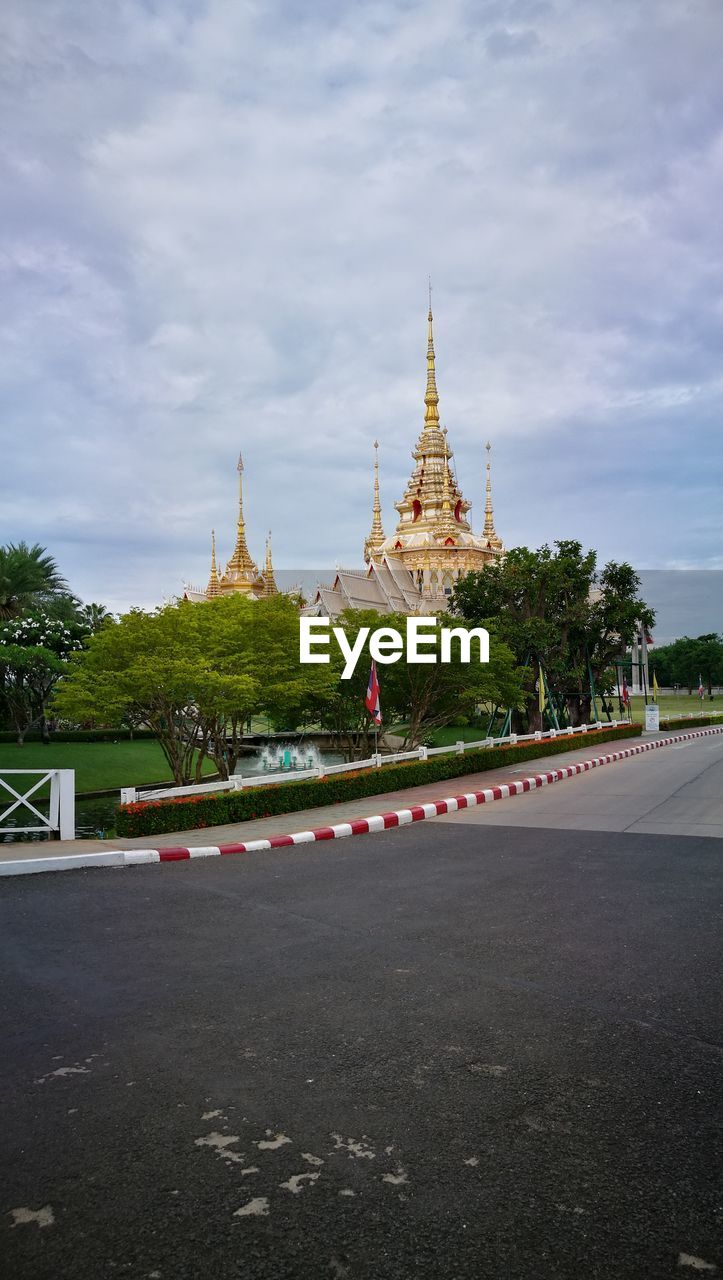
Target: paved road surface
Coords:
[(675, 791), (445, 1051)]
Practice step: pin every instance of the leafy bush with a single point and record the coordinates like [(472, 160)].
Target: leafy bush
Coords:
[(154, 817), (84, 735), (688, 722)]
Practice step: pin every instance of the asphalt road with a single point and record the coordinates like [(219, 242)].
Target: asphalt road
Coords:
[(446, 1051), (675, 791)]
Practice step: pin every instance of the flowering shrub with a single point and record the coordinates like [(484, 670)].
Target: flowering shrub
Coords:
[(34, 654), (39, 631), (154, 817)]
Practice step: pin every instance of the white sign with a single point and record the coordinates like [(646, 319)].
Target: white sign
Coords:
[(652, 717)]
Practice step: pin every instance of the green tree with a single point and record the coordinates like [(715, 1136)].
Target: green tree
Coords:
[(194, 673), (423, 697), (552, 606), (95, 615), (29, 577), (34, 654), (687, 660)]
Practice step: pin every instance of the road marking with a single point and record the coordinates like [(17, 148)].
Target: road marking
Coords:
[(219, 1142), (258, 1208), (64, 1071), (272, 1143), (354, 1148), (295, 1183), (41, 1217)]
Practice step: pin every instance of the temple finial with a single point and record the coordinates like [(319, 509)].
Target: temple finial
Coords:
[(270, 587), (240, 566), (376, 534), (431, 398), (489, 529), (213, 588)]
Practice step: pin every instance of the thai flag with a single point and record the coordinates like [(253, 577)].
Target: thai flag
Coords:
[(700, 686), (626, 693), (371, 701)]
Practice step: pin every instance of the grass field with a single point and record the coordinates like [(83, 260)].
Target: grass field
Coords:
[(99, 766), (680, 705)]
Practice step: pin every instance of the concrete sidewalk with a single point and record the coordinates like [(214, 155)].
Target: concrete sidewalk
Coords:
[(327, 815)]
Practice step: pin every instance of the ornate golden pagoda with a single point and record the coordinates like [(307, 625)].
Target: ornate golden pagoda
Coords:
[(375, 540), (241, 574), (433, 538), (270, 587), (488, 533), (213, 588)]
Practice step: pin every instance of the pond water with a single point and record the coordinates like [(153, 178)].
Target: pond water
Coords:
[(95, 818)]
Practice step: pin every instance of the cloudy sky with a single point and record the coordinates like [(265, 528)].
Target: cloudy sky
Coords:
[(218, 221)]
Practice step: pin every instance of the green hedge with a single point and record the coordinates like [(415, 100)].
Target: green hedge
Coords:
[(154, 817), (82, 735), (685, 722)]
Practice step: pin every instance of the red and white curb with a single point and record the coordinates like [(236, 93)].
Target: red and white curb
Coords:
[(360, 826)]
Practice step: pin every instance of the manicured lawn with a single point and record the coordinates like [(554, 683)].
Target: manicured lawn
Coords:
[(680, 705), (99, 766), (450, 734), (677, 705)]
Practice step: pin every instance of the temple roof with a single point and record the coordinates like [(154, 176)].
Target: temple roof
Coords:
[(382, 587)]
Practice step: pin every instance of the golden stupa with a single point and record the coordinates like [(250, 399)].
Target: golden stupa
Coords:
[(241, 575), (433, 545), (433, 538)]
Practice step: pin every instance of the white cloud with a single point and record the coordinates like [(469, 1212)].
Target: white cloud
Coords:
[(221, 223)]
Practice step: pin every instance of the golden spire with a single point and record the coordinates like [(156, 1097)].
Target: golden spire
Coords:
[(376, 534), (213, 588), (431, 398), (270, 587), (489, 529), (240, 564)]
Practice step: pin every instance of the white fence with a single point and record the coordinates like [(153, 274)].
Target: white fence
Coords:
[(61, 808), (237, 783)]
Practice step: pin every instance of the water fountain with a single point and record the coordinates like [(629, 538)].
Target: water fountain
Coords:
[(285, 757)]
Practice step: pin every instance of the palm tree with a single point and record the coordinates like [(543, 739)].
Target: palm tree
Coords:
[(28, 575), (96, 615)]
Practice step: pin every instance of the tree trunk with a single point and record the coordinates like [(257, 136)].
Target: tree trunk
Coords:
[(576, 707)]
